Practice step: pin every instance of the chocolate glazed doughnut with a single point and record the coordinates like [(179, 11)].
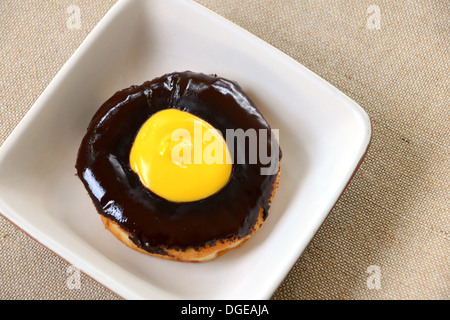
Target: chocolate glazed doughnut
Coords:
[(187, 231)]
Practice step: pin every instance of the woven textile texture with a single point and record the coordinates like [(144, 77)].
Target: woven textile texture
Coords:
[(388, 236)]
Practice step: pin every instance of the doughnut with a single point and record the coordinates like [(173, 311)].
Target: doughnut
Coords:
[(163, 191)]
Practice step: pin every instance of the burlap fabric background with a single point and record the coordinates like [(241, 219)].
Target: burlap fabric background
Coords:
[(394, 215)]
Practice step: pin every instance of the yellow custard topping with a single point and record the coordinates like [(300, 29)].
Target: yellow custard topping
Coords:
[(180, 157)]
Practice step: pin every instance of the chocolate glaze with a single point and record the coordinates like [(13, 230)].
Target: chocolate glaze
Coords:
[(153, 222)]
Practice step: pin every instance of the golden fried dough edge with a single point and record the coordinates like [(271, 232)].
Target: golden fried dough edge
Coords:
[(203, 254)]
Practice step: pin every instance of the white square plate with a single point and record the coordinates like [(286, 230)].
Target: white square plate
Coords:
[(323, 135)]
